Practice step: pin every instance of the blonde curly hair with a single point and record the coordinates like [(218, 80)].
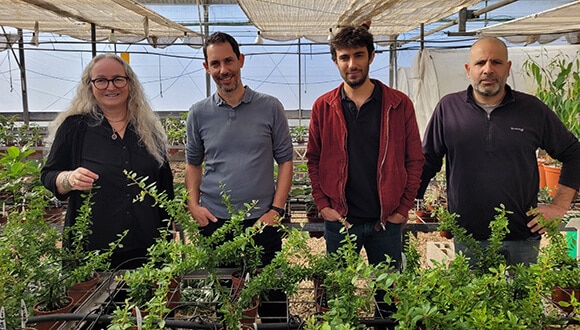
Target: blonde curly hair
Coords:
[(146, 122)]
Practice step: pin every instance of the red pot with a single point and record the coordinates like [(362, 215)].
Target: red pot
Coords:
[(52, 324), (81, 291), (564, 294)]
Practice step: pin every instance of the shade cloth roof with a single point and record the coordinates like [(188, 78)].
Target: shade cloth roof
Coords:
[(284, 20), (546, 25), (130, 21)]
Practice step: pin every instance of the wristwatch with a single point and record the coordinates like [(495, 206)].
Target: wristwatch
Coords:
[(280, 211)]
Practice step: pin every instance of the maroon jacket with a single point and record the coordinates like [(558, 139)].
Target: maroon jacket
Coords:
[(400, 155)]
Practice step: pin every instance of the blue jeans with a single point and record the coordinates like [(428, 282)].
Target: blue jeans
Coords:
[(377, 244), (515, 252)]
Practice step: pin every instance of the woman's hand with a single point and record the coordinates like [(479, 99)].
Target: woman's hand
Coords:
[(79, 179)]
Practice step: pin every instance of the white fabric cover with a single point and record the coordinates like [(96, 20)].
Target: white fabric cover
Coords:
[(130, 21), (284, 20), (437, 72)]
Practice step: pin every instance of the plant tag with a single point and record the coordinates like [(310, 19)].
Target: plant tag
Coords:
[(23, 314), (138, 318), (2, 319)]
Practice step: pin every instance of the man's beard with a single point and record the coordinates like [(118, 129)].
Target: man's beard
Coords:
[(355, 83), (227, 89), (487, 92)]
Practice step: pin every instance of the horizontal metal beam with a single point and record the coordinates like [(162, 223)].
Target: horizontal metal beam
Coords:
[(188, 2), (37, 116)]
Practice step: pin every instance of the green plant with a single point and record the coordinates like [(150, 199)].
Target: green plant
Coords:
[(71, 263), (79, 264), (350, 284), (483, 258), (8, 130), (230, 245), (555, 256), (544, 195), (29, 133), (18, 174), (122, 319), (285, 271), (299, 133), (28, 260), (491, 295), (558, 85), (175, 128)]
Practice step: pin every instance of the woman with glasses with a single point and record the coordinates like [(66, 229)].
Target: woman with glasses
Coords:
[(108, 128)]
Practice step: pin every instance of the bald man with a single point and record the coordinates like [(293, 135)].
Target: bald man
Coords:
[(488, 135)]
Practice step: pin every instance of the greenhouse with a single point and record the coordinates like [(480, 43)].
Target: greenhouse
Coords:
[(109, 218)]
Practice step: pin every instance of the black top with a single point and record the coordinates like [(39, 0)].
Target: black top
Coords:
[(491, 159), (363, 135), (81, 141)]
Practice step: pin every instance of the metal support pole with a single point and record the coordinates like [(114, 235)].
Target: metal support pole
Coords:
[(393, 63), (23, 86), (299, 83), (94, 39), (422, 42), (206, 34)]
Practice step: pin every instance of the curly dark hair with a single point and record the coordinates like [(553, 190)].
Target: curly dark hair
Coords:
[(350, 37)]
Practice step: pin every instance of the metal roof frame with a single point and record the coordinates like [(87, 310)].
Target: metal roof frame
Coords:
[(89, 20)]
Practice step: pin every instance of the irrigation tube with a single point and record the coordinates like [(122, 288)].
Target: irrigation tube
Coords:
[(168, 323), (182, 323), (208, 325)]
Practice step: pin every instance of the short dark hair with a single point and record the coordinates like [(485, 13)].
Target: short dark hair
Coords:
[(350, 37), (220, 38)]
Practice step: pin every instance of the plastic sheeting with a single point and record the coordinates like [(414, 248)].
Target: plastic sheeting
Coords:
[(435, 73), (562, 19), (543, 27)]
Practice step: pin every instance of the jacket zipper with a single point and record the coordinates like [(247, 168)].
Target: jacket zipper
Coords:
[(379, 174), (344, 170)]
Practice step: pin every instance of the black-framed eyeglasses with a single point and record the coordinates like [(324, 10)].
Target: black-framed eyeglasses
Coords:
[(103, 83)]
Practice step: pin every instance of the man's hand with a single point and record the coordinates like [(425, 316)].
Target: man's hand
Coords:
[(270, 218), (201, 214), (554, 211), (397, 218), (330, 214), (550, 212)]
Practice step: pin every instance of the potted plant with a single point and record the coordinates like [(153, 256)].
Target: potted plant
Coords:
[(175, 128), (230, 245), (154, 288), (237, 247), (489, 295), (30, 134), (558, 86), (47, 282), (28, 249), (149, 292), (565, 278), (299, 134), (434, 197), (8, 130), (18, 174), (82, 267), (348, 286), (283, 273)]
